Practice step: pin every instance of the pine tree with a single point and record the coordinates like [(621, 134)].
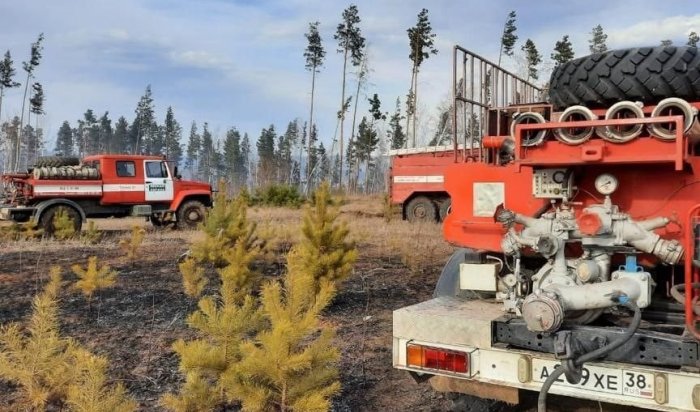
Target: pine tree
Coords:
[(64, 140), (666, 43), (34, 142), (597, 42), (508, 38), (7, 74), (396, 135), (193, 280), (206, 155), (351, 45), (172, 149), (367, 141), (29, 67), (132, 246), (143, 126), (232, 156), (563, 51), (533, 58), (266, 156), (63, 225), (91, 278), (314, 55), (421, 40), (362, 73), (106, 134), (324, 163), (245, 159), (194, 144), (693, 39), (121, 136), (222, 321)]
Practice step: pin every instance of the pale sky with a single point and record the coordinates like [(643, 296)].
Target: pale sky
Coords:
[(240, 63)]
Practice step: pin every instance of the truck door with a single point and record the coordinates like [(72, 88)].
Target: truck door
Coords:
[(158, 182)]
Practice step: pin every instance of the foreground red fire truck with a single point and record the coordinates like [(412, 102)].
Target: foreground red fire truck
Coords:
[(103, 186), (577, 224)]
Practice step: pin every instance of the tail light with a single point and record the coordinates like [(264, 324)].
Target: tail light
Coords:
[(428, 357)]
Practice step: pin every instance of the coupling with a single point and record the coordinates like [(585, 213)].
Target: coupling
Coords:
[(528, 137), (672, 106), (575, 135), (623, 133)]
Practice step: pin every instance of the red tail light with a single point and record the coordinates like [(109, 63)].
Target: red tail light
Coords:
[(437, 358)]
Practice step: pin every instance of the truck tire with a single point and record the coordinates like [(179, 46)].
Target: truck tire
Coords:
[(47, 217), (56, 161), (190, 214), (646, 74), (421, 209), (445, 206)]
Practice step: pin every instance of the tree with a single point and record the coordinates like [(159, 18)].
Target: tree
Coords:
[(245, 159), (563, 51), (421, 40), (106, 134), (121, 136), (266, 155), (508, 38), (396, 135), (29, 67), (7, 73), (351, 44), (533, 58), (194, 144), (285, 144), (367, 141), (143, 125), (172, 132), (314, 55), (206, 155), (232, 156), (361, 78), (666, 43), (693, 39), (597, 42), (324, 163), (64, 140), (92, 278)]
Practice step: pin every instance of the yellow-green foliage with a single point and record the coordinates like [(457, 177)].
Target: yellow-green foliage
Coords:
[(91, 234), (63, 225), (23, 231), (222, 321), (291, 363), (193, 279), (49, 368), (226, 223), (387, 208), (89, 393), (92, 277), (325, 251), (132, 246)]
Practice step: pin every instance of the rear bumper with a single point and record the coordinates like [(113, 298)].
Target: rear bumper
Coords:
[(466, 326)]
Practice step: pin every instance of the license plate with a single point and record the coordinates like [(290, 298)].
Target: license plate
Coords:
[(601, 379)]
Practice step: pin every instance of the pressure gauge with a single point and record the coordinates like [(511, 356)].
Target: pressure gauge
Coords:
[(606, 184)]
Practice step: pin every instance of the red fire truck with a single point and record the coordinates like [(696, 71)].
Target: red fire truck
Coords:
[(104, 186), (577, 228)]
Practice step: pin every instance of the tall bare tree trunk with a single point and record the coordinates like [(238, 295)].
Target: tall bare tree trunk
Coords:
[(311, 125), (354, 120), (342, 119), (415, 105), (411, 103), (18, 142)]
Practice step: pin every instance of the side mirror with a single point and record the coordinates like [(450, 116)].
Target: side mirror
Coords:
[(177, 174)]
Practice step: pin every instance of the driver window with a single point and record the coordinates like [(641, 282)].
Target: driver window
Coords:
[(155, 169)]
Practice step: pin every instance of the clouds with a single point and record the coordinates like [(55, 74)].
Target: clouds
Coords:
[(240, 63)]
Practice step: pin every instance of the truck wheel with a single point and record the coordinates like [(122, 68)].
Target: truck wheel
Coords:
[(190, 214), (421, 209), (445, 209), (646, 74), (46, 218), (448, 282), (56, 161)]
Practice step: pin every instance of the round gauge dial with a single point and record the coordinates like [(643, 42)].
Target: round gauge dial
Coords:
[(606, 184)]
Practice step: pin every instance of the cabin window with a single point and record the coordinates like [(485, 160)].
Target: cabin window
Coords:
[(126, 168)]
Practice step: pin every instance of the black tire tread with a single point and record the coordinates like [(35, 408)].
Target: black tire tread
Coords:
[(56, 161), (646, 74)]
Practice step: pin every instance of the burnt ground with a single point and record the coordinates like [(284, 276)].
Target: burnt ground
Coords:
[(135, 322)]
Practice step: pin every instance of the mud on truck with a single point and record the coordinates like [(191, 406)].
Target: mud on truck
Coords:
[(103, 186), (577, 227)]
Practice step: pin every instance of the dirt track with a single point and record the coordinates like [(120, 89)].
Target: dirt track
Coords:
[(135, 323)]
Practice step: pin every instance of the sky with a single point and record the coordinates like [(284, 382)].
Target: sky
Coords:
[(239, 63)]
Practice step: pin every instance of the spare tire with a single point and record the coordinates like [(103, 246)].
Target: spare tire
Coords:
[(646, 74), (56, 161)]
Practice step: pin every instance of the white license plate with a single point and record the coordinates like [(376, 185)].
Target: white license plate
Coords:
[(601, 379)]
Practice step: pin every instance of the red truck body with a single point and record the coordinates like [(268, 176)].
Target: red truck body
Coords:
[(116, 186)]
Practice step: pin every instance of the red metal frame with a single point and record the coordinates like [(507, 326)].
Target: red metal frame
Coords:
[(691, 274)]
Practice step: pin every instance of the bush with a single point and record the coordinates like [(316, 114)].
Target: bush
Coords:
[(278, 195)]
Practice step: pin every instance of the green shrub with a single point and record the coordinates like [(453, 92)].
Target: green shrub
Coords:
[(278, 195)]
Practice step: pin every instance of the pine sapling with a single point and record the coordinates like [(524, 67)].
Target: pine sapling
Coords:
[(92, 277), (132, 246), (193, 280), (92, 234), (63, 225)]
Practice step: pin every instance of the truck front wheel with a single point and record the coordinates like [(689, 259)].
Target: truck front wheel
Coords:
[(190, 214), (46, 220), (421, 209)]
